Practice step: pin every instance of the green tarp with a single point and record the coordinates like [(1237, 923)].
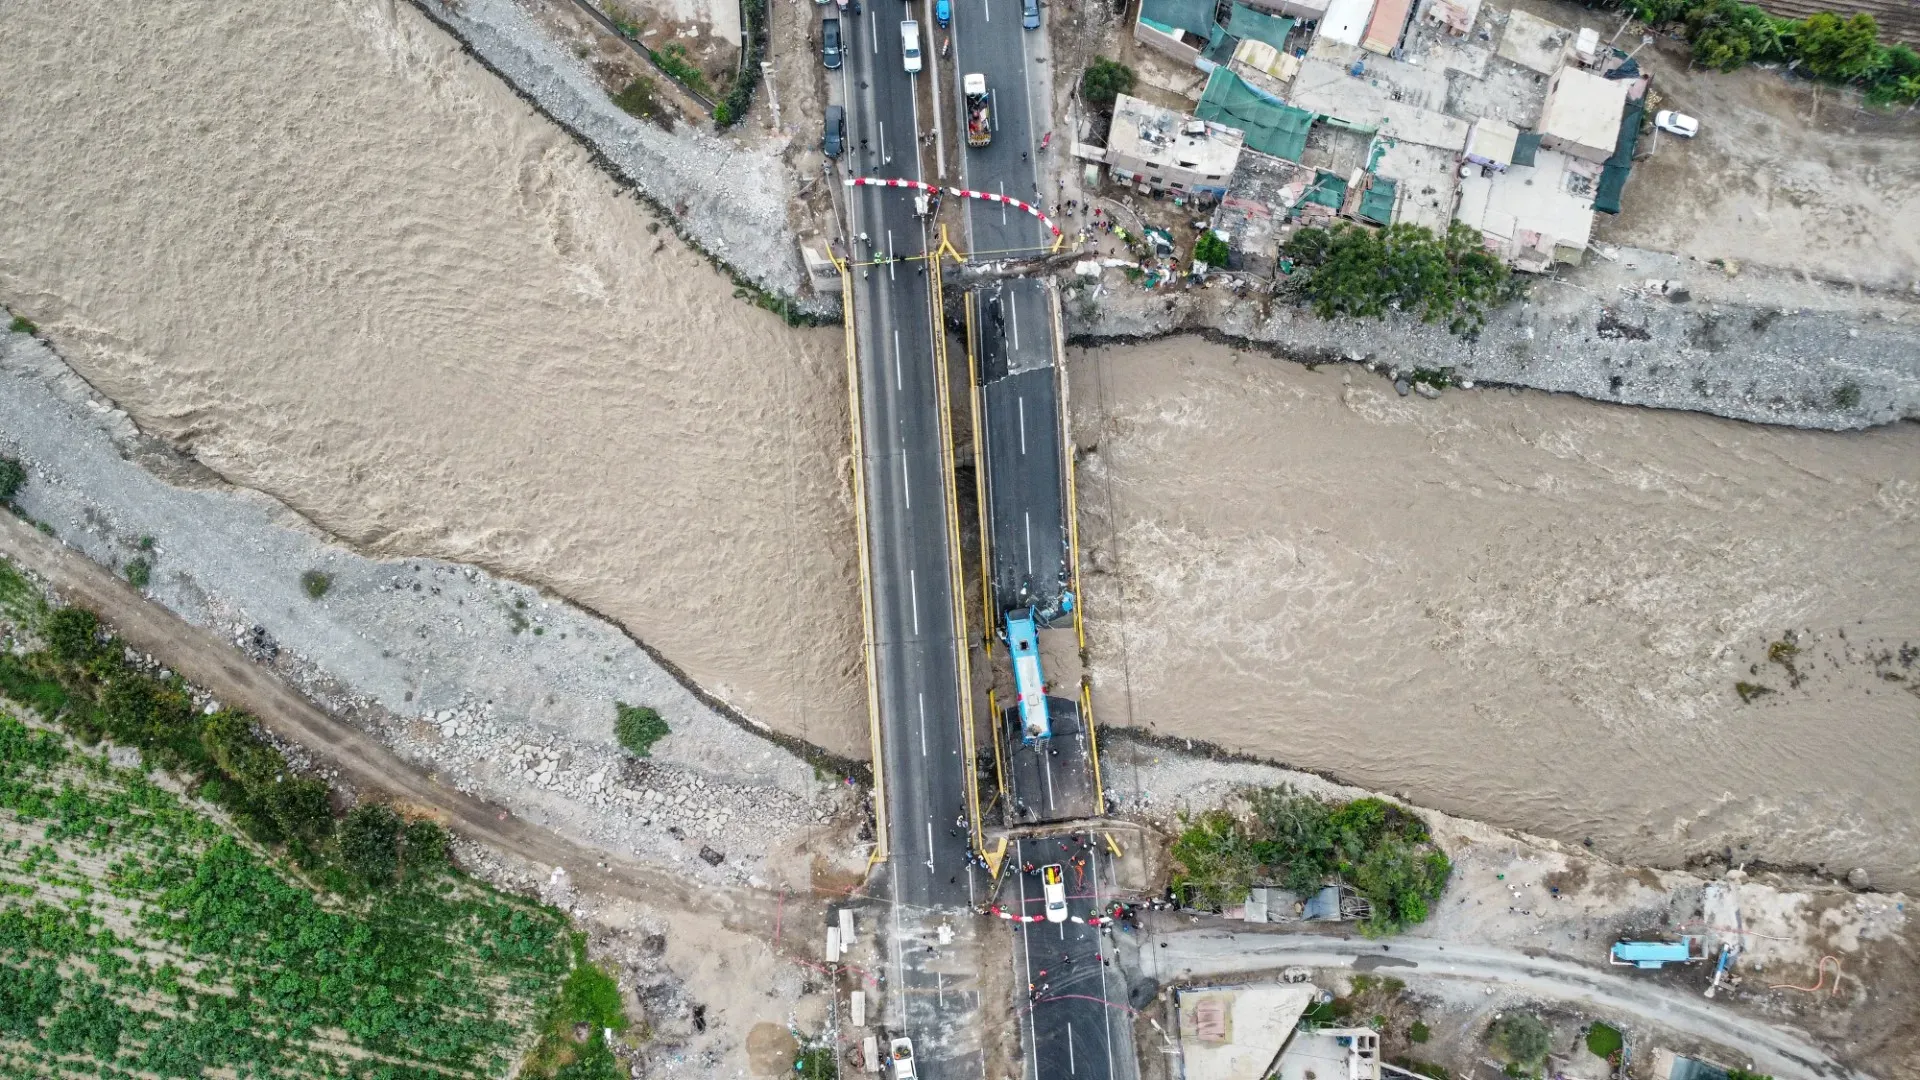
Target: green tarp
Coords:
[(1271, 127), (1253, 23), (1613, 178), (1327, 190), (1376, 203), (1193, 16), (1525, 147)]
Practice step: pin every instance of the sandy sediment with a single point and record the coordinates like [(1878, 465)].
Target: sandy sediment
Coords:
[(340, 263), (1510, 606)]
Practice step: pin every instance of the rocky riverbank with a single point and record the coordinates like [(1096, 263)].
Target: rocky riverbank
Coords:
[(1643, 328)]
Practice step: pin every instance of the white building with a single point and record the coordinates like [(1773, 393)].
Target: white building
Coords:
[(1582, 114), (1169, 151)]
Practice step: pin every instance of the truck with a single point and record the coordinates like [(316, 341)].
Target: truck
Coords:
[(979, 110)]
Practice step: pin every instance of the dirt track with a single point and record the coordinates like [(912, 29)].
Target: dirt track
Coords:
[(363, 763)]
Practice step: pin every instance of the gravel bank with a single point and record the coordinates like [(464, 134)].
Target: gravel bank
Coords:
[(727, 198), (1758, 345), (507, 692)]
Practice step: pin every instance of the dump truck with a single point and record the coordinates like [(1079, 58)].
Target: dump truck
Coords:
[(979, 110)]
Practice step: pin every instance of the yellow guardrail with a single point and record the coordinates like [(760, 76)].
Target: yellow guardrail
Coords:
[(1066, 442), (882, 847), (980, 489), (1093, 745), (962, 652), (993, 724)]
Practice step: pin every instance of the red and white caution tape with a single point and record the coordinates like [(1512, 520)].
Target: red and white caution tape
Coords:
[(988, 196)]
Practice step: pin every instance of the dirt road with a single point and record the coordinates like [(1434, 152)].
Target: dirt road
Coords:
[(363, 763), (1774, 1048)]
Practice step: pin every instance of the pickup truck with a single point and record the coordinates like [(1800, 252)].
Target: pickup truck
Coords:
[(979, 110), (901, 1053)]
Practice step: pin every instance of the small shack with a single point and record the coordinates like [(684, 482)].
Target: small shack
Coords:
[(1657, 954)]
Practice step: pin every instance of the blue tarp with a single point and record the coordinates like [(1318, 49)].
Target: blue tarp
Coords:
[(1247, 22), (1271, 126), (1193, 16)]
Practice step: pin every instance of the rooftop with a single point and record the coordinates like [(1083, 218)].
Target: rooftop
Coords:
[(1584, 108), (1236, 1032), (1164, 137), (1533, 215), (1374, 103)]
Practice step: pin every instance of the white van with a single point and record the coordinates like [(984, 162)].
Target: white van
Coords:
[(910, 45)]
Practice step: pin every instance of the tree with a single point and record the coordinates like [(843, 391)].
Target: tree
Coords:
[(1210, 249), (1833, 49), (1365, 273), (638, 727), (1103, 81), (1746, 1074), (426, 845), (368, 843), (301, 808)]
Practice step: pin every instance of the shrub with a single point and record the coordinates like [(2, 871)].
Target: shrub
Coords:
[(1103, 81), (139, 572), (316, 583), (369, 840), (13, 477), (301, 809), (1522, 1037), (1603, 1040), (426, 845), (638, 727), (1419, 1032), (740, 95), (72, 635), (22, 325), (1738, 1073), (637, 99)]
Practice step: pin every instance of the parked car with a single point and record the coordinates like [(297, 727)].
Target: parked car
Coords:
[(835, 142), (1053, 888), (830, 43), (1676, 123), (1030, 14), (943, 12), (910, 45)]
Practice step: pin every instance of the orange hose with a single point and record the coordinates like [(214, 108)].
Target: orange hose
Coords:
[(1819, 969)]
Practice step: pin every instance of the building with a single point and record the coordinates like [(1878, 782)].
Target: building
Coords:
[(1346, 21), (1582, 114), (1168, 151), (1330, 1053), (1387, 25), (1492, 143), (1535, 214), (1237, 1032)]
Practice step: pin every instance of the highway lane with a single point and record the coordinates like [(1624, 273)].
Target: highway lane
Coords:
[(988, 39), (1077, 1026), (930, 992), (1021, 440)]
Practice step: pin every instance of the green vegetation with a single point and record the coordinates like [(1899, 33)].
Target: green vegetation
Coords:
[(1846, 395), (316, 583), (672, 59), (1103, 81), (1382, 851), (1523, 1038), (1210, 249), (637, 99), (637, 727), (740, 95), (22, 325), (1604, 1040), (1366, 273), (1738, 1073), (1419, 1032), (139, 571), (140, 935), (13, 477), (1750, 691), (573, 1038), (1727, 34), (816, 1063)]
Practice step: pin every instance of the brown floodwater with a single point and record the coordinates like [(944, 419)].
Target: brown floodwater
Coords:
[(1524, 608)]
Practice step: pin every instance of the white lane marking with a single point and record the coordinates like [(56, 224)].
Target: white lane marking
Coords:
[(986, 10), (884, 156), (929, 847), (1013, 318), (891, 258), (923, 725), (913, 590), (1026, 945), (873, 33), (1048, 762), (905, 488), (940, 987), (1071, 1067), (1107, 1045), (1003, 203), (1029, 515), (899, 381), (1023, 424)]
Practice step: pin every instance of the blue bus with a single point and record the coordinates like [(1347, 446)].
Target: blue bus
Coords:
[(1023, 640)]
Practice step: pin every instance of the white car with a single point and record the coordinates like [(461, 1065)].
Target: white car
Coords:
[(1053, 888), (1677, 123), (901, 1053), (910, 45)]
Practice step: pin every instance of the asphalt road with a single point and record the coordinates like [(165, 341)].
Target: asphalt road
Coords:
[(1773, 1047), (988, 40), (1077, 1026), (916, 668), (1026, 492)]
